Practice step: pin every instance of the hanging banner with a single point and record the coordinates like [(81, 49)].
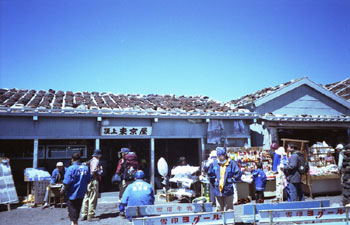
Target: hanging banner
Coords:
[(126, 131)]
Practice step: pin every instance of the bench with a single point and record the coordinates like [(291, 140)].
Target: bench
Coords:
[(206, 218), (161, 209), (324, 215), (251, 212)]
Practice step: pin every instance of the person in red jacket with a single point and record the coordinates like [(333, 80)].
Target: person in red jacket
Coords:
[(127, 166)]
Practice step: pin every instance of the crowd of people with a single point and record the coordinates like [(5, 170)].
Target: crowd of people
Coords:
[(80, 181), (79, 184)]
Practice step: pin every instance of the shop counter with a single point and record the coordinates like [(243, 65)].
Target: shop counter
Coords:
[(325, 184)]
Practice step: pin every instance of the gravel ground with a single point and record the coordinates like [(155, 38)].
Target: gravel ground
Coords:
[(107, 211)]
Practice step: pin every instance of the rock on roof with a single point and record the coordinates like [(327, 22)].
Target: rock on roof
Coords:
[(248, 99), (51, 99), (340, 88)]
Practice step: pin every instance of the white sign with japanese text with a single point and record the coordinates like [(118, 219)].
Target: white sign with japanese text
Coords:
[(315, 214), (126, 131), (209, 218), (171, 209)]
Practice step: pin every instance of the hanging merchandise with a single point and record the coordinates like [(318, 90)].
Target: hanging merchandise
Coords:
[(216, 131), (8, 192), (163, 169)]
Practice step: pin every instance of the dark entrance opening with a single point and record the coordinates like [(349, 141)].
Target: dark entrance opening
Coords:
[(332, 136), (110, 157)]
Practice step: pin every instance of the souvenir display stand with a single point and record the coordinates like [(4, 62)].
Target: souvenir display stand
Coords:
[(325, 177), (37, 182), (8, 194), (246, 158), (185, 179)]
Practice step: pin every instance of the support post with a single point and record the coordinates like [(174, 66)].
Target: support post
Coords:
[(254, 214), (35, 153), (249, 142), (202, 150), (97, 143), (152, 163)]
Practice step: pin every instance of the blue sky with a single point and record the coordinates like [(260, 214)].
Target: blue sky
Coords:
[(221, 49)]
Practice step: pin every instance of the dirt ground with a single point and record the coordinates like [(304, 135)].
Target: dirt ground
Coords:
[(107, 211)]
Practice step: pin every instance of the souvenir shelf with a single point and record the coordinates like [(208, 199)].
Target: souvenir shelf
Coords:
[(247, 157), (322, 163)]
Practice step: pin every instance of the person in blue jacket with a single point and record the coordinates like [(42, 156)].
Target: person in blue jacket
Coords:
[(223, 173), (138, 193), (56, 178), (260, 180), (75, 183)]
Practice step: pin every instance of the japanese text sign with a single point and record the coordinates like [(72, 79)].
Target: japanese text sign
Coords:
[(209, 218), (313, 214), (126, 131)]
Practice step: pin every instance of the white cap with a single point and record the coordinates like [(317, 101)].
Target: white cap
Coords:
[(212, 154), (59, 164), (339, 146), (280, 151)]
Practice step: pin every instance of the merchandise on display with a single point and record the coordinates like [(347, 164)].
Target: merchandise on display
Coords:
[(184, 177), (36, 175), (246, 159), (321, 160)]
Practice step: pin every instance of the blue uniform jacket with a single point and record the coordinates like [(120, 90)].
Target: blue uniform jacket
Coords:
[(232, 174), (260, 179), (138, 193), (277, 161), (76, 179), (55, 173)]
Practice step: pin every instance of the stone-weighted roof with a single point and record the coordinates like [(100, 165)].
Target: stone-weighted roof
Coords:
[(340, 88), (88, 101), (251, 98)]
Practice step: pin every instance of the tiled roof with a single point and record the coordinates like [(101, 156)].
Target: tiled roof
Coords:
[(340, 88), (248, 99), (12, 100)]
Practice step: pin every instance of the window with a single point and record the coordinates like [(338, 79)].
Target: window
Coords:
[(65, 151), (26, 153)]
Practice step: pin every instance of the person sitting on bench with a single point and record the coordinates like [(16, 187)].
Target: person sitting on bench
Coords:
[(136, 194), (56, 178)]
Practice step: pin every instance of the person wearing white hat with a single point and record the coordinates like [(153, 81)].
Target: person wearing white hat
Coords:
[(56, 178), (279, 157)]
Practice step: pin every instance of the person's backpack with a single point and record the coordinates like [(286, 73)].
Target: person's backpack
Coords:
[(130, 166), (303, 165)]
